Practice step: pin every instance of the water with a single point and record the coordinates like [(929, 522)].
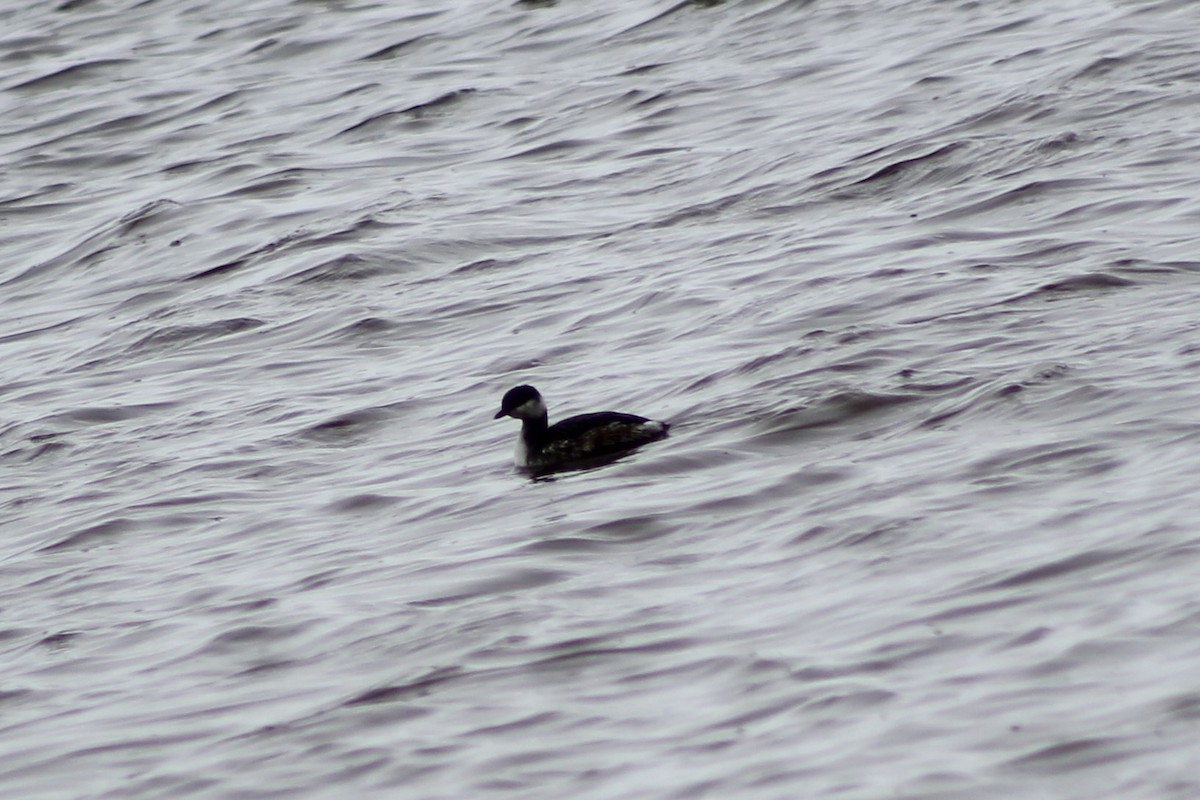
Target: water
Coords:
[(914, 281)]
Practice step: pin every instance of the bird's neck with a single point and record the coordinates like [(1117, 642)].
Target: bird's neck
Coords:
[(533, 431)]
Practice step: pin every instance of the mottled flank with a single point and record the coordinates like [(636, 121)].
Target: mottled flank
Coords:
[(599, 441)]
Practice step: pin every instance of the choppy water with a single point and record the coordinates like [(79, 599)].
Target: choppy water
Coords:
[(916, 282)]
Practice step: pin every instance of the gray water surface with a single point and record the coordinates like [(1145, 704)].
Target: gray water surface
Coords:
[(915, 282)]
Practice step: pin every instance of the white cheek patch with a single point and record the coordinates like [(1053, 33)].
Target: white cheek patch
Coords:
[(530, 409)]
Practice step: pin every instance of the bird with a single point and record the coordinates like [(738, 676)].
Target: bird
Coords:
[(576, 442)]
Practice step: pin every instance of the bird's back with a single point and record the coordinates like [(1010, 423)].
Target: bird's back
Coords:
[(590, 435)]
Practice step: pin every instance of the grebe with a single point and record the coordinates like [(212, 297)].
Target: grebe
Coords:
[(576, 441)]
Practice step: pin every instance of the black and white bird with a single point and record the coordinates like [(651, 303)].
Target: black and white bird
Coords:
[(576, 441)]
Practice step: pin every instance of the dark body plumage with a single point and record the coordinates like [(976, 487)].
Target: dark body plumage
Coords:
[(576, 441)]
